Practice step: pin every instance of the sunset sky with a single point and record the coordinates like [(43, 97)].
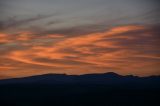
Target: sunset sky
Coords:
[(79, 37)]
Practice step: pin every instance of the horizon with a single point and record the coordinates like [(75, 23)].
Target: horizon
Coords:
[(77, 37), (107, 73)]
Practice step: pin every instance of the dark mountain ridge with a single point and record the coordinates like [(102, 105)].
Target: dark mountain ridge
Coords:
[(106, 78), (108, 89)]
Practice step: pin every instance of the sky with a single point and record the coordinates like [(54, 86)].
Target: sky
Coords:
[(79, 37)]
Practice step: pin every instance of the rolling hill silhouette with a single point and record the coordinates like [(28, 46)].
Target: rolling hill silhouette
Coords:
[(106, 78), (79, 90)]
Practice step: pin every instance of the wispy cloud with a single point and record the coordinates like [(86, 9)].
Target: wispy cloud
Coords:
[(13, 22)]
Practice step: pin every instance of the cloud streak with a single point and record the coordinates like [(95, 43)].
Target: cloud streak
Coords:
[(13, 22)]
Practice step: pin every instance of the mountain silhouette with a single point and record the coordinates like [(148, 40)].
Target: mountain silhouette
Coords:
[(105, 78), (108, 89)]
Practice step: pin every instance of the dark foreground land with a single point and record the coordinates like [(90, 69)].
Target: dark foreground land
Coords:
[(86, 90)]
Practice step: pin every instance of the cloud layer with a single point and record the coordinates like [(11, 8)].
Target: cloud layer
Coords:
[(128, 49)]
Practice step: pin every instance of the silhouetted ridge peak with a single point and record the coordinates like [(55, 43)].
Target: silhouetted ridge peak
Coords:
[(112, 74)]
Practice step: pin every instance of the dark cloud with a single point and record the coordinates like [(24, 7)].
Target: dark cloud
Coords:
[(76, 30), (13, 22)]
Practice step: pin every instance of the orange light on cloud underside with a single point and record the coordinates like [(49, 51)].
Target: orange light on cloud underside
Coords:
[(112, 50), (123, 29)]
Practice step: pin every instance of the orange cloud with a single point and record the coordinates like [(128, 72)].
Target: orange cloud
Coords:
[(123, 29), (113, 50), (6, 68), (4, 38)]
